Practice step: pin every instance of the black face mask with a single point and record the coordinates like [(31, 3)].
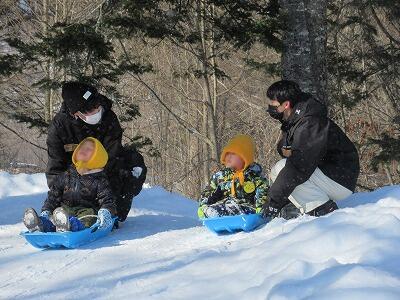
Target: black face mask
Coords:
[(274, 113)]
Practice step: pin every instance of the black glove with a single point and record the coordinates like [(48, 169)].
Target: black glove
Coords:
[(269, 212), (216, 196), (123, 173)]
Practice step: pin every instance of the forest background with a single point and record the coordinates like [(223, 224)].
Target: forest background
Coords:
[(185, 76)]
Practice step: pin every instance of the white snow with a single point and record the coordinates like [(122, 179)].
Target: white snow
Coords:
[(21, 184), (163, 252)]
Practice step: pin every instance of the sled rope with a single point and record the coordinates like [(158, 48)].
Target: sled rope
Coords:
[(87, 216)]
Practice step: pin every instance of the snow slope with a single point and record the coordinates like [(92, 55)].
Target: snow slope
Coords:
[(163, 252), (21, 184)]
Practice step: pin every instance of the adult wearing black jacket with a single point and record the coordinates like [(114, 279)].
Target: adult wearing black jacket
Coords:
[(320, 164), (85, 112)]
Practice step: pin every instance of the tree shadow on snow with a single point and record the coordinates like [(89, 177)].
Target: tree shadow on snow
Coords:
[(12, 208), (142, 226)]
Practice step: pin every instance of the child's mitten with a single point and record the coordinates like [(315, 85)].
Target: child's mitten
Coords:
[(104, 218)]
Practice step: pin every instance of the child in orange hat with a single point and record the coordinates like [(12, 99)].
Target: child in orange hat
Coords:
[(240, 187), (79, 197)]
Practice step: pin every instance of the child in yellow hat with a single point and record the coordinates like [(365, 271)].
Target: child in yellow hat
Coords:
[(240, 187), (79, 197)]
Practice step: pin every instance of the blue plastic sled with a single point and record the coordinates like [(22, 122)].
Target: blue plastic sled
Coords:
[(233, 224), (68, 239)]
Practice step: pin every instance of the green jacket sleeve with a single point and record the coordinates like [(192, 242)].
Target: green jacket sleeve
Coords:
[(262, 187)]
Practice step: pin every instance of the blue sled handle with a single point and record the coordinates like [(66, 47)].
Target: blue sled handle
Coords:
[(94, 227)]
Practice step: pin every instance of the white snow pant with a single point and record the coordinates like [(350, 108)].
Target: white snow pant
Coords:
[(315, 191)]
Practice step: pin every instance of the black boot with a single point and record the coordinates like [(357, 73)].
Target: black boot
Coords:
[(324, 209), (289, 211), (123, 203)]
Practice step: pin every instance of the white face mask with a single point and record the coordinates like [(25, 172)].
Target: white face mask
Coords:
[(95, 118)]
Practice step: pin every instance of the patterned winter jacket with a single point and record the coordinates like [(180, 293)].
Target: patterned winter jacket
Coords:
[(253, 192), (72, 189)]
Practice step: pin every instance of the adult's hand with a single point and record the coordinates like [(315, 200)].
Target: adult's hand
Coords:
[(269, 212)]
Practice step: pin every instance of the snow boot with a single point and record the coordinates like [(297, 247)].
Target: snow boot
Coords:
[(61, 219), (233, 208), (32, 220), (324, 209), (210, 212), (289, 211)]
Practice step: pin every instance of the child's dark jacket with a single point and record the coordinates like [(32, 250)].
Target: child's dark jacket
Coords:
[(72, 189)]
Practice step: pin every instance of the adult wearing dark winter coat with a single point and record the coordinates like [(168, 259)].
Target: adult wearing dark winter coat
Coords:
[(320, 165), (87, 113)]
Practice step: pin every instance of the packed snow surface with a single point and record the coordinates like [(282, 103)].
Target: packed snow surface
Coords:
[(163, 252)]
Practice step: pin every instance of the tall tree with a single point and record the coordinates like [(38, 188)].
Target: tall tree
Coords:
[(364, 54), (304, 44), (65, 47), (208, 32)]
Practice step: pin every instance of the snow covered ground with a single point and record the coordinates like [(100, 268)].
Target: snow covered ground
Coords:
[(163, 252)]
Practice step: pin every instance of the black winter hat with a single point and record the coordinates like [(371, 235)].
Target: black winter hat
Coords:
[(79, 96)]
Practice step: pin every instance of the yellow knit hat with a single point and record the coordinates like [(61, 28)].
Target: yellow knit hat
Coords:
[(97, 161), (242, 145)]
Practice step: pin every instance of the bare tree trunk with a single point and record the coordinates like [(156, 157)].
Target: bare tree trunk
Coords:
[(48, 95), (210, 97), (304, 45), (214, 98)]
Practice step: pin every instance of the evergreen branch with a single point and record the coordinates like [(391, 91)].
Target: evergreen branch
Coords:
[(382, 27)]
